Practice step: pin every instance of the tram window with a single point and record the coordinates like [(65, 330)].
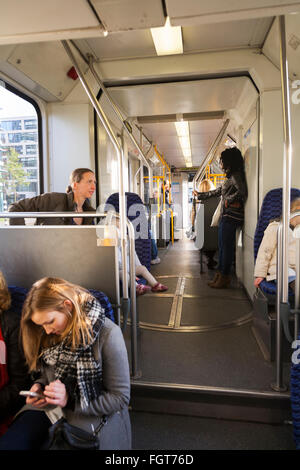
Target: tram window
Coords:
[(19, 149)]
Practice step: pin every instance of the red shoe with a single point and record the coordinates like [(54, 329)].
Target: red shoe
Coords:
[(159, 288), (141, 289)]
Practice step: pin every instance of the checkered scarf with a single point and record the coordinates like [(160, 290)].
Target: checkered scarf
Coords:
[(77, 368)]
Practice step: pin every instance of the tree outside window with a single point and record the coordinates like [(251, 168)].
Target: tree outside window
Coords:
[(12, 175)]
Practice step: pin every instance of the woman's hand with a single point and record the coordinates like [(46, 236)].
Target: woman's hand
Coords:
[(56, 394), (35, 401), (257, 281), (195, 193)]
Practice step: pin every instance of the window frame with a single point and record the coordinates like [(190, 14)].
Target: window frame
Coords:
[(39, 142)]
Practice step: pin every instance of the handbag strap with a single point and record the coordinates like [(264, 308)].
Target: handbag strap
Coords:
[(102, 423)]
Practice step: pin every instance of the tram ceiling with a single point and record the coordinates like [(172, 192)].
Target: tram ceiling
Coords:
[(202, 134), (271, 46), (194, 96), (139, 43), (204, 104), (35, 20), (32, 64)]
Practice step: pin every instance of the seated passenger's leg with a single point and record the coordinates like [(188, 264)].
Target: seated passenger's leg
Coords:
[(29, 431), (156, 286), (143, 271), (154, 251)]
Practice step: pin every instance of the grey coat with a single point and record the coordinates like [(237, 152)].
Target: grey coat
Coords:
[(111, 351), (50, 202)]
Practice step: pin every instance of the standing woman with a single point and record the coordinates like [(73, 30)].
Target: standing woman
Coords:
[(82, 360), (81, 187), (233, 194)]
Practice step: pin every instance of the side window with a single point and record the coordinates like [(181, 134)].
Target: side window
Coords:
[(20, 158)]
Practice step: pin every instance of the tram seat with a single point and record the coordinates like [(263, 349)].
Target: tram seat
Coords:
[(271, 209), (210, 233), (295, 399), (264, 301), (18, 296), (135, 209)]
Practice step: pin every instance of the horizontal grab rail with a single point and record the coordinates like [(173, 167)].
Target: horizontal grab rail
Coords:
[(34, 215)]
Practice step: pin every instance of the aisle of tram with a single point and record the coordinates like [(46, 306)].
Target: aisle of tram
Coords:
[(199, 341)]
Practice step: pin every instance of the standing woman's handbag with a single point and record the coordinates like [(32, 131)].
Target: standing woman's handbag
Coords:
[(64, 436), (217, 214)]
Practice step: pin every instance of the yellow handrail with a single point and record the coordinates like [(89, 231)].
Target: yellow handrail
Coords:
[(214, 177), (163, 161)]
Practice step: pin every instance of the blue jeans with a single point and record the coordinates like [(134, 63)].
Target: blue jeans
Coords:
[(154, 250), (29, 431), (226, 242)]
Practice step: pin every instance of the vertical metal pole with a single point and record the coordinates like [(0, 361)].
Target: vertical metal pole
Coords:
[(287, 156), (142, 189), (119, 150), (297, 287), (278, 385), (133, 309), (135, 179), (283, 230), (124, 123)]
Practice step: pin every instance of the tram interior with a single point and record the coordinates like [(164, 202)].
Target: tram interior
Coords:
[(199, 355)]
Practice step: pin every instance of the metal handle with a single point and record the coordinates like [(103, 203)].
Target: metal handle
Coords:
[(119, 150), (123, 122)]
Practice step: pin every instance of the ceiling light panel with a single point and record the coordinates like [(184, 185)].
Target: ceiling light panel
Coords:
[(168, 39)]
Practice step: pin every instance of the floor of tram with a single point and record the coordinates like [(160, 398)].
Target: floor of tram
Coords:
[(196, 335)]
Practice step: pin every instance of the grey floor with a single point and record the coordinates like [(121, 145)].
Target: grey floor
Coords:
[(166, 432), (225, 357)]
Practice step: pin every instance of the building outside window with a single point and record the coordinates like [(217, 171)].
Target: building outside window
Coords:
[(30, 124), (19, 153), (13, 125)]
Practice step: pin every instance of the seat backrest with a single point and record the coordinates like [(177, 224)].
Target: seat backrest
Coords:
[(271, 209), (69, 252), (136, 213)]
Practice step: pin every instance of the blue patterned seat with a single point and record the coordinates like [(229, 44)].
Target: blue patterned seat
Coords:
[(271, 209), (18, 296), (135, 210), (295, 401)]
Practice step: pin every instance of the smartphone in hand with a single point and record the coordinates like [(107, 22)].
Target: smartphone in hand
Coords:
[(27, 393)]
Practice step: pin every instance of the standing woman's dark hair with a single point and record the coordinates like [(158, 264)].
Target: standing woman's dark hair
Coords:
[(232, 161)]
